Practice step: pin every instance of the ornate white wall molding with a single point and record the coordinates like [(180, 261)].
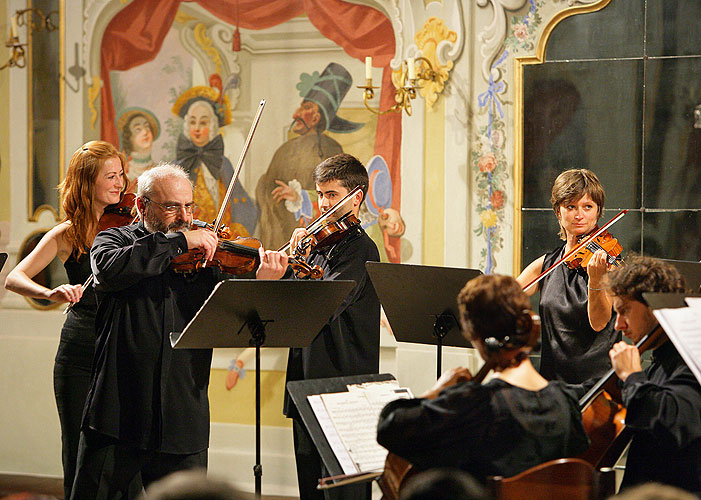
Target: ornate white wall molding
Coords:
[(493, 36)]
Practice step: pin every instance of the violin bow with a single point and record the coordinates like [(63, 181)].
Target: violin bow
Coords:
[(576, 249), (322, 218), (230, 189)]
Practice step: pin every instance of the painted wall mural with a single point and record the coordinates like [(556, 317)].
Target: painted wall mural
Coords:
[(198, 62), (514, 31)]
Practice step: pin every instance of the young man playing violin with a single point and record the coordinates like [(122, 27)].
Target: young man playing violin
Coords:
[(663, 401), (147, 410), (349, 344)]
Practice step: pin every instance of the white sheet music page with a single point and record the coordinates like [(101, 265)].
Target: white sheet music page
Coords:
[(335, 442), (683, 327), (355, 414)]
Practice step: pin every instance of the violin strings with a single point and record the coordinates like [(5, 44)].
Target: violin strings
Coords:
[(593, 246)]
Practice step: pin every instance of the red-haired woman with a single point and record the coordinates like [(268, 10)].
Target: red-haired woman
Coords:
[(95, 179)]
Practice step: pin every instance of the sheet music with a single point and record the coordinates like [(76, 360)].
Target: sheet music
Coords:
[(354, 415), (332, 436), (693, 301), (683, 327)]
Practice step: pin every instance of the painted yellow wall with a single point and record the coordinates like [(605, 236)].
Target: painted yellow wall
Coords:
[(434, 184), (4, 121), (238, 406)]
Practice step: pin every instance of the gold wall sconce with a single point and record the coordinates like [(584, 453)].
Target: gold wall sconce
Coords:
[(406, 92), (35, 21)]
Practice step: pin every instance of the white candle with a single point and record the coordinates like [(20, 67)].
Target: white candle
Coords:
[(368, 68), (412, 68), (14, 29)]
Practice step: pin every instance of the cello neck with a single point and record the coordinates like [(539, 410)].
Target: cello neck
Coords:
[(609, 378)]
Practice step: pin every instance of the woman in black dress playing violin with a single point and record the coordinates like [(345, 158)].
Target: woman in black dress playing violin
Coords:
[(576, 314), (95, 179)]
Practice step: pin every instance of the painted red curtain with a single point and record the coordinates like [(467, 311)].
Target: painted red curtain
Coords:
[(134, 36)]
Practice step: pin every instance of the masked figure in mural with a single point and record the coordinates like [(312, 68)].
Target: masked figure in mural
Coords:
[(138, 128), (282, 191), (200, 151)]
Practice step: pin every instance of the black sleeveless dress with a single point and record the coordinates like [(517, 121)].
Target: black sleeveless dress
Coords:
[(73, 366), (571, 350), (77, 344)]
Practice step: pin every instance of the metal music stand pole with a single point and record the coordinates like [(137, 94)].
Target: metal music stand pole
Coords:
[(258, 313)]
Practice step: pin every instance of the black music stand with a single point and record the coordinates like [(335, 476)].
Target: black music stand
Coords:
[(421, 302), (690, 270), (300, 389), (667, 300), (283, 313), (3, 258)]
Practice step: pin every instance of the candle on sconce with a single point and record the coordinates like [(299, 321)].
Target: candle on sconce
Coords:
[(412, 68), (368, 68), (14, 29)]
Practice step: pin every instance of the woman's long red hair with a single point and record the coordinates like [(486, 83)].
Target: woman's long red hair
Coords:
[(77, 192)]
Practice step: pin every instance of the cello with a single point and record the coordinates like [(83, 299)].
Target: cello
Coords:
[(603, 413)]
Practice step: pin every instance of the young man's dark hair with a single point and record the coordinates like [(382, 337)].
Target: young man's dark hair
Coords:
[(344, 168), (644, 274)]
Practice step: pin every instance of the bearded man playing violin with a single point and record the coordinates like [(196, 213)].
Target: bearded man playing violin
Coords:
[(577, 319), (147, 410), (663, 401), (349, 344)]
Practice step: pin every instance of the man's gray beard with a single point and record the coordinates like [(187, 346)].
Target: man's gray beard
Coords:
[(153, 224)]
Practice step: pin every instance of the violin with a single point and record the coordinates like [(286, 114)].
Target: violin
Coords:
[(327, 235), (238, 256), (603, 414), (582, 250), (119, 214), (322, 234), (604, 241)]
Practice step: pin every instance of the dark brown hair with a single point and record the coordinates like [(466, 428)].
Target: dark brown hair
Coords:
[(344, 168), (644, 274), (490, 306), (126, 132), (571, 185)]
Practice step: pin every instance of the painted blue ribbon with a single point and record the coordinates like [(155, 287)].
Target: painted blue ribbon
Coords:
[(490, 98)]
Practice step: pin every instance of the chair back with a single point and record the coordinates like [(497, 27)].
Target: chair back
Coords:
[(561, 479)]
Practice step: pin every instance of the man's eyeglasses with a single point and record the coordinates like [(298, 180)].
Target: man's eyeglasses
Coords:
[(174, 208)]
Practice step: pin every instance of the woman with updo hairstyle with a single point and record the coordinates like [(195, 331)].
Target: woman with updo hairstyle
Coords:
[(502, 427), (94, 180)]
